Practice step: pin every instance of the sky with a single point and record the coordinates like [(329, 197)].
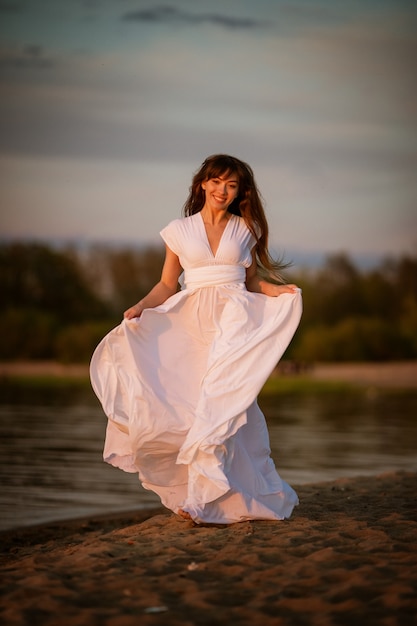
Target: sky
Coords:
[(108, 107)]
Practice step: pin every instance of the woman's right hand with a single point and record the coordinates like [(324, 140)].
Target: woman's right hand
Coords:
[(134, 311)]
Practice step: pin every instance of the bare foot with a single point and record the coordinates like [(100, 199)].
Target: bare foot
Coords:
[(184, 515)]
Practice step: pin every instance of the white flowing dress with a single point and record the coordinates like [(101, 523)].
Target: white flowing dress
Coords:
[(179, 385)]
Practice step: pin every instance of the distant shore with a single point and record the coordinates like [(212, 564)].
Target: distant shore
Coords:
[(389, 375), (401, 374), (348, 555)]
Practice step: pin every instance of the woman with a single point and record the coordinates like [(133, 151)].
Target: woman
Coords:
[(179, 378)]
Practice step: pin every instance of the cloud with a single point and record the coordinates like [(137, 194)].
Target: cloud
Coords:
[(171, 14), (308, 97)]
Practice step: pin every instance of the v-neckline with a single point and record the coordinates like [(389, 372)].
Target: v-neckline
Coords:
[(214, 254)]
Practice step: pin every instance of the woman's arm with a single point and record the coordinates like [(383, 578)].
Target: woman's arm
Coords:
[(165, 288), (257, 284)]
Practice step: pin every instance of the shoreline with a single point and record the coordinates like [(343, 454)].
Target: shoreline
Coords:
[(384, 375), (346, 556), (32, 533)]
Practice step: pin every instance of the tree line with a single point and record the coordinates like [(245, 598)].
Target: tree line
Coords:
[(58, 303)]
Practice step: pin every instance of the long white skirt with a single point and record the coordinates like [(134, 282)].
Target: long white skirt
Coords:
[(179, 388)]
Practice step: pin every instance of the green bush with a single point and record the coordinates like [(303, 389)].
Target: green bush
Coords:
[(354, 339), (76, 343), (27, 334)]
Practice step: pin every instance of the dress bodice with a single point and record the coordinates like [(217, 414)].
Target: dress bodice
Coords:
[(187, 238)]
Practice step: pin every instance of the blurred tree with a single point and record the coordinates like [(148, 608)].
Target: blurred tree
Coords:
[(123, 276), (334, 292), (353, 339), (27, 334), (58, 304), (352, 315), (406, 276), (76, 343), (36, 277), (378, 295)]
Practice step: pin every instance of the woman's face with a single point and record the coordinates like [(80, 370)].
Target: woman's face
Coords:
[(221, 191)]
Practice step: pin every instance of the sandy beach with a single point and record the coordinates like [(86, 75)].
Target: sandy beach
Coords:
[(348, 556)]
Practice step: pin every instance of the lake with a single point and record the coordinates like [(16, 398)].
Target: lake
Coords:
[(51, 442)]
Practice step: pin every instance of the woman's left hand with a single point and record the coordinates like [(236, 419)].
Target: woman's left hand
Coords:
[(278, 290)]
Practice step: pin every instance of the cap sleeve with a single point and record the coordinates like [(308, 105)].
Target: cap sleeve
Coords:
[(170, 235)]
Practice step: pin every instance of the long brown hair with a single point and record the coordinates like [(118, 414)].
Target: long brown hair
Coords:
[(248, 204)]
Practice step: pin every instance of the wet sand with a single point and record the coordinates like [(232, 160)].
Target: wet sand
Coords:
[(348, 557)]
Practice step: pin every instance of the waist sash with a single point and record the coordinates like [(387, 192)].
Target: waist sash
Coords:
[(211, 275)]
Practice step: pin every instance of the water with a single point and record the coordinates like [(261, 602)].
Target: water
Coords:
[(51, 443)]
